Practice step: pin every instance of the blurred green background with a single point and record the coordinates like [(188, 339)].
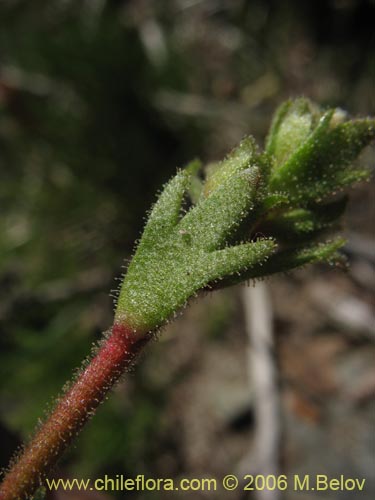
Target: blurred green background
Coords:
[(100, 101)]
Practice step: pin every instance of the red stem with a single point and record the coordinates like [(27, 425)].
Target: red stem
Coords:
[(71, 412)]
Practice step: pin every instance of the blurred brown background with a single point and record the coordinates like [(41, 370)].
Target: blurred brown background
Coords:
[(100, 101)]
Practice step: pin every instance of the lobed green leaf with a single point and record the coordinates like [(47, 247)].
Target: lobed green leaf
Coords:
[(256, 214)]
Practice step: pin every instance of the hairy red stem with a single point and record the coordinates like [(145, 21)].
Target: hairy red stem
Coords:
[(73, 409)]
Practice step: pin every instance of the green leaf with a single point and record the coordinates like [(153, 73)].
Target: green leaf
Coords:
[(316, 169), (277, 120), (239, 159), (167, 210), (304, 223), (290, 259), (238, 259), (196, 184), (215, 218), (292, 125), (302, 163), (287, 260), (177, 255)]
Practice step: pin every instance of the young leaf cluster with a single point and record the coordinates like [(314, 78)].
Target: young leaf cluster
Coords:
[(254, 214)]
